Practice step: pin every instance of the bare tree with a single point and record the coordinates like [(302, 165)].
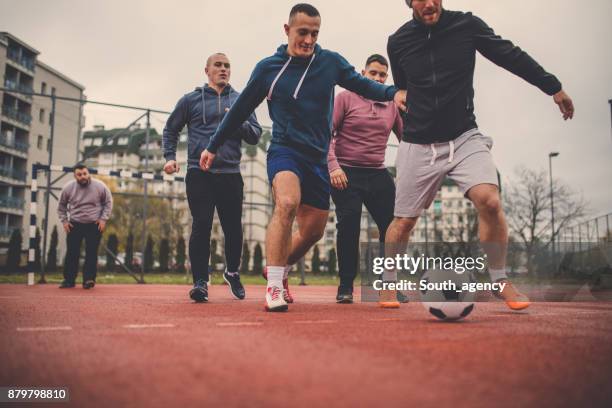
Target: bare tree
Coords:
[(527, 207)]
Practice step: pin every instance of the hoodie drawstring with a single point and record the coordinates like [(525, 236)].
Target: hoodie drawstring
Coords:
[(229, 96), (434, 154), (451, 154), (276, 78), (302, 78), (203, 105), (299, 85)]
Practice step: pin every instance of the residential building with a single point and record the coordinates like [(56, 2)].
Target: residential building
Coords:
[(25, 134)]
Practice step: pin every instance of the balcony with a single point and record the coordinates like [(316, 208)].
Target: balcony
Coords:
[(11, 84), (5, 233), (13, 204), (11, 143), (27, 63), (14, 114), (14, 174)]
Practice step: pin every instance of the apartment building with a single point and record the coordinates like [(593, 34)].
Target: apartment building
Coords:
[(25, 133)]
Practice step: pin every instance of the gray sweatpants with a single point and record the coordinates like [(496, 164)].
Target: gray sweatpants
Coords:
[(421, 169)]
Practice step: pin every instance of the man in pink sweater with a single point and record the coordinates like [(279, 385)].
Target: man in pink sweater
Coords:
[(361, 129)]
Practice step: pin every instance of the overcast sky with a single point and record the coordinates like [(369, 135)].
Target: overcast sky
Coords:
[(149, 53)]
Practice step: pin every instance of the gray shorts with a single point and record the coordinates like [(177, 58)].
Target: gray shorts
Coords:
[(421, 169)]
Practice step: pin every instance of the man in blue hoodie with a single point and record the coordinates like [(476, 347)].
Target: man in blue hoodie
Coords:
[(220, 187), (298, 82)]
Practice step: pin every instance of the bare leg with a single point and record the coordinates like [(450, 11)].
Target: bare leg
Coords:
[(399, 230), (492, 227), (286, 188), (311, 226), (396, 241), (493, 232)]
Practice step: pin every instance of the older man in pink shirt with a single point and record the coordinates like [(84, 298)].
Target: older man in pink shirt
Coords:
[(356, 161)]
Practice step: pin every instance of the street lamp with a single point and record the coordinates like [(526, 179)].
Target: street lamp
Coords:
[(552, 202), (610, 102)]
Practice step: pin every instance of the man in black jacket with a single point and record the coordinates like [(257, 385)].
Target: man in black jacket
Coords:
[(433, 57)]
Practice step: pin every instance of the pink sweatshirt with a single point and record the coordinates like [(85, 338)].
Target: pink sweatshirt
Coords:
[(361, 130)]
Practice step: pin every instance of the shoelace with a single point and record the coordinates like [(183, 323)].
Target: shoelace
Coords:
[(275, 292)]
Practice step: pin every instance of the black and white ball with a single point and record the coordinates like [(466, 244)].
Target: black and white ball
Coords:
[(446, 303)]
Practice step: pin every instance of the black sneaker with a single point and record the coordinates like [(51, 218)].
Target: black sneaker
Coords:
[(199, 292), (89, 284), (235, 285), (402, 298), (344, 297), (65, 285)]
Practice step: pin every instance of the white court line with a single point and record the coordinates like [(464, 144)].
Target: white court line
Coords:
[(231, 324), (315, 321), (48, 328), (389, 319), (148, 326)]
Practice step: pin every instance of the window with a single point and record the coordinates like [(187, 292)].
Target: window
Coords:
[(88, 142), (39, 142), (41, 116), (123, 140), (43, 88), (97, 141), (52, 90)]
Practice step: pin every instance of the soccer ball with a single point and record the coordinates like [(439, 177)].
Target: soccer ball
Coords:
[(441, 294)]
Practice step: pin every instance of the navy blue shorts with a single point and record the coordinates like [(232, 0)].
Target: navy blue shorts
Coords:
[(314, 177)]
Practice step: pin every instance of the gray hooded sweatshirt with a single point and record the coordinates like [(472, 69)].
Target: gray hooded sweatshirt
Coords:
[(202, 111)]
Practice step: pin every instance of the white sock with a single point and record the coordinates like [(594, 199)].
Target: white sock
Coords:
[(497, 274), (286, 271), (275, 276)]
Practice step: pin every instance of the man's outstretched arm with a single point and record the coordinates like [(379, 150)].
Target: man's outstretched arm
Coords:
[(507, 55), (353, 81)]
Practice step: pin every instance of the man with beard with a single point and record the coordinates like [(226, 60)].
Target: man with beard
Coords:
[(433, 57), (84, 207), (356, 162)]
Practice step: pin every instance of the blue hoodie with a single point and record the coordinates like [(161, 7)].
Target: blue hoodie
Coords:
[(300, 93), (202, 110)]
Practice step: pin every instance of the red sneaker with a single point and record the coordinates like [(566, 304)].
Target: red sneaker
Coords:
[(286, 294)]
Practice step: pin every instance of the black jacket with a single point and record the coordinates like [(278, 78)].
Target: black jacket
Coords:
[(436, 66)]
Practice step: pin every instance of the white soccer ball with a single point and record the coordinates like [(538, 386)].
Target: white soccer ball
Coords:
[(441, 294)]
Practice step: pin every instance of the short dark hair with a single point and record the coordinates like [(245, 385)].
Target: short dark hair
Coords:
[(79, 166), (409, 3), (377, 58), (305, 8)]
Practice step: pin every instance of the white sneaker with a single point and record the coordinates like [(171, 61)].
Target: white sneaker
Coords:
[(274, 300)]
